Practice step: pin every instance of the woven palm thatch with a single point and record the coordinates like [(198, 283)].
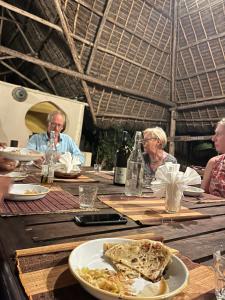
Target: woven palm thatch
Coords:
[(131, 60)]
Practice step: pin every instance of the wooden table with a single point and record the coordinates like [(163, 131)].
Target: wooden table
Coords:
[(195, 239)]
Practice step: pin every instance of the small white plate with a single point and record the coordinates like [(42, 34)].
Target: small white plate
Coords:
[(90, 255), (26, 192), (16, 176), (21, 154), (193, 191)]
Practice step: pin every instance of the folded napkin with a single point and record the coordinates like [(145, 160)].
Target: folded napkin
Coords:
[(169, 174), (69, 162)]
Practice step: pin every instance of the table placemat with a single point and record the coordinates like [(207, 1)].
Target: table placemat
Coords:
[(82, 178), (148, 210), (37, 179), (44, 274), (204, 198), (56, 201)]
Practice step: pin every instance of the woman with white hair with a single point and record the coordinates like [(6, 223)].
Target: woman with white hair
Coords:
[(154, 142), (214, 176)]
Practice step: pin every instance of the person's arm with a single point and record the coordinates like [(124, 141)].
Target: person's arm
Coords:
[(207, 174)]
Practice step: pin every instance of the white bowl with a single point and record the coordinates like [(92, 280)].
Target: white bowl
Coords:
[(16, 176), (21, 154), (26, 192), (90, 254), (193, 191)]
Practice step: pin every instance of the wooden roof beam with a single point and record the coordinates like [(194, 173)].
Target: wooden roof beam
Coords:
[(76, 37), (200, 9), (188, 138), (194, 120), (21, 75), (100, 29), (74, 55), (201, 105), (118, 116), (205, 40), (201, 73), (32, 51), (88, 78)]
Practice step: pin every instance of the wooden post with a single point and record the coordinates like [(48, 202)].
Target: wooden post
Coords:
[(173, 78)]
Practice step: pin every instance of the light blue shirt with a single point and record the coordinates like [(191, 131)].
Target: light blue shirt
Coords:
[(39, 142)]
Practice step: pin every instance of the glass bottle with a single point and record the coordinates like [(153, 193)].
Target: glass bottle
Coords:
[(122, 155), (50, 159), (135, 169)]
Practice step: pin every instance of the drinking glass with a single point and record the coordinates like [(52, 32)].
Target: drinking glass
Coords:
[(219, 269), (173, 198), (87, 195)]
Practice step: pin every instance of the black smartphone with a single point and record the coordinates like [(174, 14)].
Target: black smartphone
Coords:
[(100, 219)]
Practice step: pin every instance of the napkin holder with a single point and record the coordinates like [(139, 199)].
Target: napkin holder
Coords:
[(69, 163), (171, 183)]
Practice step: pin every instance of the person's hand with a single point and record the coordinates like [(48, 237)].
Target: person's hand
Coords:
[(7, 164), (4, 184)]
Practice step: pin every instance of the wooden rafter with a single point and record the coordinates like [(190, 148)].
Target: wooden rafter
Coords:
[(188, 138), (32, 51), (77, 37), (98, 35), (120, 116), (74, 55), (203, 104), (88, 78), (21, 75), (194, 120), (201, 73), (201, 41)]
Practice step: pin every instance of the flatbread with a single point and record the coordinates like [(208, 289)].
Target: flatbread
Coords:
[(145, 257), (125, 270)]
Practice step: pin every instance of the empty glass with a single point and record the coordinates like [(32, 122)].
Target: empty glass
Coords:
[(173, 198), (87, 195)]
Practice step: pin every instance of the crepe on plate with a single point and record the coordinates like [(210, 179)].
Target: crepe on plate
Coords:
[(142, 257)]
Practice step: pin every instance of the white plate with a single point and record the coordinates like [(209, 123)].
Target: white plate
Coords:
[(193, 191), (26, 192), (90, 254), (16, 176), (21, 154)]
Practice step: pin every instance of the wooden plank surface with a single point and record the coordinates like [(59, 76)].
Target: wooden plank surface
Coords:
[(195, 238)]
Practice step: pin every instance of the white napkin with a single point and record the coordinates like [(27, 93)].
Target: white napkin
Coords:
[(169, 174), (69, 162)]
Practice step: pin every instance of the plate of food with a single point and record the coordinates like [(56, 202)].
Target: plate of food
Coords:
[(115, 268), (193, 191), (16, 176), (26, 192), (21, 154), (63, 174), (61, 171)]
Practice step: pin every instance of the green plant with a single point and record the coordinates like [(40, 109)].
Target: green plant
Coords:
[(108, 142)]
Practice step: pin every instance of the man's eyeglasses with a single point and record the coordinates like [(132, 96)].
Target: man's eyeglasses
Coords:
[(54, 125)]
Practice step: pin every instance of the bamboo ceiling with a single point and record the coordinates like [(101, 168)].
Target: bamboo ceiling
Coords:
[(131, 61)]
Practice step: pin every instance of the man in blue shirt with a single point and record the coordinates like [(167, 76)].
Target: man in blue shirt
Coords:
[(63, 142)]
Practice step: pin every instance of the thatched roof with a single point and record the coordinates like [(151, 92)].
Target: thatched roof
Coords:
[(132, 61)]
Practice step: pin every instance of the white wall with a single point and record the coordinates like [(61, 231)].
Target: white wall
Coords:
[(12, 114)]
